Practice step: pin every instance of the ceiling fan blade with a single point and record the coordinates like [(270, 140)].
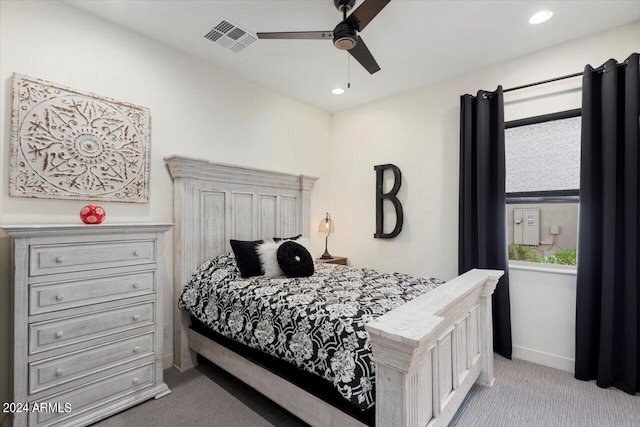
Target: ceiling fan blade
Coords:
[(368, 10), (298, 35), (361, 53)]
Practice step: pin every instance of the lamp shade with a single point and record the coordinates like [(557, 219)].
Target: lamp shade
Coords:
[(326, 225)]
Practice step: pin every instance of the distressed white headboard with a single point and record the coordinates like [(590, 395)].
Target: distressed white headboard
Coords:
[(214, 203)]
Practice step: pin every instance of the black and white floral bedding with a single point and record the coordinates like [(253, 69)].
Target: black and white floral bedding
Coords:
[(316, 323)]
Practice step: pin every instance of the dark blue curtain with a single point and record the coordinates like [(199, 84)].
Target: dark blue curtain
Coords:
[(482, 241), (608, 294)]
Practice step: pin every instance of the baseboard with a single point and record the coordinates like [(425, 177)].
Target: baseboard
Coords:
[(167, 361), (547, 359)]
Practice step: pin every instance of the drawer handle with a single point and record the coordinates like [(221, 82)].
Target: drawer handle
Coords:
[(59, 372), (136, 381), (59, 260), (136, 317), (59, 297), (59, 334), (136, 349), (136, 285), (136, 252)]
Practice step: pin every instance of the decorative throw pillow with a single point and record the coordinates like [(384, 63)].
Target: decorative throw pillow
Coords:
[(278, 239), (269, 259), (247, 258), (294, 260)]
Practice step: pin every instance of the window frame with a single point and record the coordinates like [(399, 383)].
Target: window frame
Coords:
[(553, 196)]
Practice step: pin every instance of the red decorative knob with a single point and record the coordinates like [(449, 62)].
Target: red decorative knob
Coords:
[(92, 214)]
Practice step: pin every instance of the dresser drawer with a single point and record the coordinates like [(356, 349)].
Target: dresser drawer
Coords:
[(44, 298), (52, 372), (94, 395), (52, 334), (52, 259)]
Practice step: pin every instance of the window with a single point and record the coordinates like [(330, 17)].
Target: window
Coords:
[(542, 156)]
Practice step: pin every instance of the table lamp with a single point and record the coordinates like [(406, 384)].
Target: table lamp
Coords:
[(326, 226)]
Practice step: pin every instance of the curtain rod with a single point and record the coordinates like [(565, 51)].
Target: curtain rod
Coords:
[(568, 76)]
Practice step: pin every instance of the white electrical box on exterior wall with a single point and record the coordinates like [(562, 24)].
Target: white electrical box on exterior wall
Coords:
[(526, 227)]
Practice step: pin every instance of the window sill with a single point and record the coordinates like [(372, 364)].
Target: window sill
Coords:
[(543, 268)]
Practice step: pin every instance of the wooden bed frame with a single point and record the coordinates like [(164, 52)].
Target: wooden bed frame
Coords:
[(428, 352)]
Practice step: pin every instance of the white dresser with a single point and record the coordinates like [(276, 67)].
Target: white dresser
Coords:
[(88, 323)]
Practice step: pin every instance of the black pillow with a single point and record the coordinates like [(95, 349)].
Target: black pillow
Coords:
[(277, 239), (247, 258), (294, 260)]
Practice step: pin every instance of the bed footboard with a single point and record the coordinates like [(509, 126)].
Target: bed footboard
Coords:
[(430, 351)]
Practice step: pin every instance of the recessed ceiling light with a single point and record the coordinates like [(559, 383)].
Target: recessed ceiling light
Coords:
[(337, 91), (541, 17)]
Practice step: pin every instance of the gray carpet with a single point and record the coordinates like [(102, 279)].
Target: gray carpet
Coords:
[(525, 394)]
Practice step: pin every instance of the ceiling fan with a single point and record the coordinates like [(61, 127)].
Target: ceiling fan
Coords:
[(345, 35)]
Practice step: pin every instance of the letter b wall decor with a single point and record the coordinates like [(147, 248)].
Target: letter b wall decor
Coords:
[(392, 196)]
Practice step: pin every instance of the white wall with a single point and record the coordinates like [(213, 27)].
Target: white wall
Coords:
[(419, 132), (197, 110), (543, 315)]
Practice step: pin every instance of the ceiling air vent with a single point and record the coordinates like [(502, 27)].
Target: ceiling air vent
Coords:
[(230, 36)]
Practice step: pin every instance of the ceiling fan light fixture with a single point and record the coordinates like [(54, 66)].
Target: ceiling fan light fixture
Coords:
[(540, 17), (337, 91), (345, 43), (344, 36)]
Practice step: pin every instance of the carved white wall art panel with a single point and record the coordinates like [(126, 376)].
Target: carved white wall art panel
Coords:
[(67, 144)]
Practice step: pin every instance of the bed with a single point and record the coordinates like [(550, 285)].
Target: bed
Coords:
[(426, 352)]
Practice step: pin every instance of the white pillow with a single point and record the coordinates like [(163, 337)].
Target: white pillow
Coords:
[(304, 241), (267, 252)]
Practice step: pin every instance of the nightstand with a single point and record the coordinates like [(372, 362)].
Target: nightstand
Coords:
[(335, 260)]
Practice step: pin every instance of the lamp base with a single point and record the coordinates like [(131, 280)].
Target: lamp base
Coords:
[(326, 255)]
